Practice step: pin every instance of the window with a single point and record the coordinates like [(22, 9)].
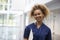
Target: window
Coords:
[(1, 7), (9, 21)]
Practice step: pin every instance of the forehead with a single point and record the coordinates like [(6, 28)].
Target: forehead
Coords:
[(37, 11)]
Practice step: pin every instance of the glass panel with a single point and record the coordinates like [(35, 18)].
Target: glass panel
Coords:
[(11, 16), (5, 19), (1, 7), (0, 1), (10, 7), (10, 1), (1, 33), (3, 1), (9, 33), (1, 18), (6, 7), (13, 33), (11, 20)]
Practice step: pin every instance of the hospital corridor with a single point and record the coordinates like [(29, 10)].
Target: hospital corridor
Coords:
[(14, 17)]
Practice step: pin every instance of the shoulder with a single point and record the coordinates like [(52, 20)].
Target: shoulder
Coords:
[(46, 27), (29, 26)]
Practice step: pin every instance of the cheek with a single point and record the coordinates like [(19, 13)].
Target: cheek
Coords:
[(35, 17), (42, 17), (39, 17)]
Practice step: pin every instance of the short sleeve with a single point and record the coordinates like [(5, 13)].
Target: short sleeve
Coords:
[(26, 32), (49, 37)]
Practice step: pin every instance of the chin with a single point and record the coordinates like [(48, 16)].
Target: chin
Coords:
[(38, 21)]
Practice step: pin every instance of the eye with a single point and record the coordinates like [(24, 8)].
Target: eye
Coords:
[(35, 14), (38, 13)]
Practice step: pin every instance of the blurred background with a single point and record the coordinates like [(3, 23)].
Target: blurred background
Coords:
[(14, 17)]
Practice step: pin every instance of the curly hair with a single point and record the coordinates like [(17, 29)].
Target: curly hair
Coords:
[(41, 7)]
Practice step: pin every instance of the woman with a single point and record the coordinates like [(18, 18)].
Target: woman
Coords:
[(39, 29)]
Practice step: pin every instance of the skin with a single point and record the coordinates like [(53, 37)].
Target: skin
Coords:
[(25, 39), (39, 16)]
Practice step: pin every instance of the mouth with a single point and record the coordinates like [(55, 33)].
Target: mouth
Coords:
[(38, 18)]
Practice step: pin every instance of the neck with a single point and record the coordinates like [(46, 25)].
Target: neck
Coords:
[(38, 24)]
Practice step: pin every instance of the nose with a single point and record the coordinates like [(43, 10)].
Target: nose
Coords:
[(38, 15)]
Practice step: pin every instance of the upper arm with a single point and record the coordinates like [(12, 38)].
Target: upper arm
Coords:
[(26, 33), (49, 37)]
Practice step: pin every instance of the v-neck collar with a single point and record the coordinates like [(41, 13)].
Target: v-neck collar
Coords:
[(36, 26)]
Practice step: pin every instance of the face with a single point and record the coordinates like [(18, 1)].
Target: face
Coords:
[(38, 15)]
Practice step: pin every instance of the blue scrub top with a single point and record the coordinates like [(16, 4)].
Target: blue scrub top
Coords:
[(43, 33)]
